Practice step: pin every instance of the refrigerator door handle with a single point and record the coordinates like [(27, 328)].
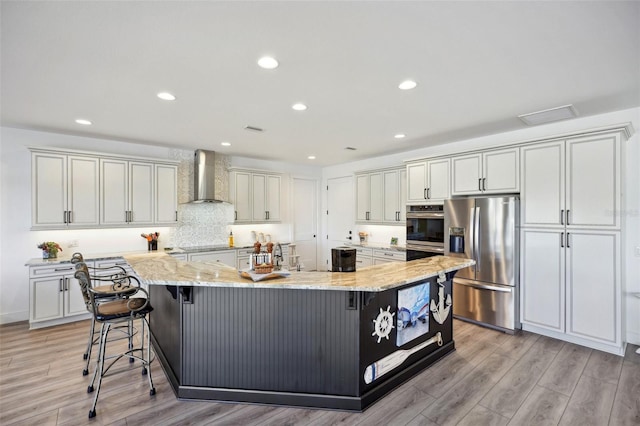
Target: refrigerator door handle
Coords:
[(486, 287), (476, 237), (472, 234)]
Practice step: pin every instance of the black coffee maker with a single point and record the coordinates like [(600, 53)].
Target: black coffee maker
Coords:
[(343, 259)]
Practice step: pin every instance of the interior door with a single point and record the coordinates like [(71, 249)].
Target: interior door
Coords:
[(340, 214), (305, 221)]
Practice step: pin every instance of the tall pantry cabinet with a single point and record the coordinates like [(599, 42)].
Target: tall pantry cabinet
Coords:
[(570, 238)]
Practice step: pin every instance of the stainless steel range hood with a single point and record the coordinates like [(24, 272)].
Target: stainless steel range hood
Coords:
[(204, 172)]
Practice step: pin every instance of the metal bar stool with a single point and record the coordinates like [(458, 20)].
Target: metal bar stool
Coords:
[(117, 275), (112, 313)]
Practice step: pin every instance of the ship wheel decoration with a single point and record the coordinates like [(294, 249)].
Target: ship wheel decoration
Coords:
[(383, 324)]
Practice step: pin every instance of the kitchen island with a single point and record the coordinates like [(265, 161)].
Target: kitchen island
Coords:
[(313, 339)]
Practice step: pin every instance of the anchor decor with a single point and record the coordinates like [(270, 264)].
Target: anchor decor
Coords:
[(441, 310)]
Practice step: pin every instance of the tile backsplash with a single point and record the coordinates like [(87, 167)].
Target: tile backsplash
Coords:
[(206, 223)]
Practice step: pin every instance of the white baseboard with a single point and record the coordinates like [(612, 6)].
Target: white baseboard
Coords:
[(633, 337), (14, 317)]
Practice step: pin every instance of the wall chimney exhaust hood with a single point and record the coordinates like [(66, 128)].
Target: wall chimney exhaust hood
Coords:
[(204, 173)]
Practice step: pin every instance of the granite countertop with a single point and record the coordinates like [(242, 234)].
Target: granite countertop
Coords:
[(377, 246), (162, 269)]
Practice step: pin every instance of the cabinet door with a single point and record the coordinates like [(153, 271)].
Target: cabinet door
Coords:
[(466, 174), (593, 182), (73, 299), (402, 177), (543, 271), (501, 171), (362, 261), (48, 189), (259, 185), (241, 193), (542, 196), (417, 182), (141, 199), (46, 298), (363, 194), (593, 285), (83, 186), (376, 198), (438, 179), (114, 192), (227, 257), (166, 184), (391, 186), (273, 197)]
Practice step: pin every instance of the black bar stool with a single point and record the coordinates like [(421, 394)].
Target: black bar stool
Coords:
[(113, 313)]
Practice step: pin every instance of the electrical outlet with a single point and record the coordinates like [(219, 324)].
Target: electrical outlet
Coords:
[(73, 243)]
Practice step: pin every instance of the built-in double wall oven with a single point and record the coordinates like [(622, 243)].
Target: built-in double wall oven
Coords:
[(425, 231)]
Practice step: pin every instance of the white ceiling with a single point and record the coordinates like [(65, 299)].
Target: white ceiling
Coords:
[(478, 65)]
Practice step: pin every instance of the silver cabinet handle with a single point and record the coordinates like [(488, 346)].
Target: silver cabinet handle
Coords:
[(484, 181), (562, 217), (562, 239), (568, 240), (66, 284), (63, 269), (428, 193), (64, 216), (479, 184), (60, 288), (568, 217), (424, 193), (69, 216)]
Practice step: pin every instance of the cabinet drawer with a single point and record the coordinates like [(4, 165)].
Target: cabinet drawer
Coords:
[(244, 263), (227, 257), (245, 252), (360, 251), (60, 269), (390, 255), (179, 256)]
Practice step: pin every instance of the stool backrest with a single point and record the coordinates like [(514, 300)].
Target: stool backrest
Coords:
[(83, 277), (77, 257)]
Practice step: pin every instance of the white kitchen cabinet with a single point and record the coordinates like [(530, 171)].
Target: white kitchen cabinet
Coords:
[(571, 286), (395, 196), (428, 181), (64, 190), (489, 172), (179, 256), (389, 256), (227, 257), (573, 183), (54, 295), (364, 257), (166, 193), (256, 196), (126, 192), (369, 197)]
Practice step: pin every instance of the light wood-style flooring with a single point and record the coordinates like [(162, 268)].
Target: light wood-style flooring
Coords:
[(492, 379)]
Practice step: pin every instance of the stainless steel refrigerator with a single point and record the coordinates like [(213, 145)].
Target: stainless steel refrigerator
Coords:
[(487, 230)]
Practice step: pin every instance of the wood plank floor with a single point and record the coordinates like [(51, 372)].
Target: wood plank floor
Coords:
[(492, 379)]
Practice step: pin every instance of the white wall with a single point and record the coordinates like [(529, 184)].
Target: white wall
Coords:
[(631, 197)]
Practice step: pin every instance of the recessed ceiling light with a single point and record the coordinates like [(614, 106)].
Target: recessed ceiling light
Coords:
[(84, 122), (311, 157), (400, 136), (268, 63), (225, 143), (299, 107), (166, 96), (407, 85), (548, 115)]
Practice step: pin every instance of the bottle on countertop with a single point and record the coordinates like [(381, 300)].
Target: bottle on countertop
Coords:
[(231, 239)]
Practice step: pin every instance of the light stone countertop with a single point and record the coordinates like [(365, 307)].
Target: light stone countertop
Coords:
[(162, 269)]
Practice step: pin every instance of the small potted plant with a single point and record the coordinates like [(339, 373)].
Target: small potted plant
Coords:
[(49, 249)]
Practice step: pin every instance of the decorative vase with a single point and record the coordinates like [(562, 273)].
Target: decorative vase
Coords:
[(45, 254), (53, 254)]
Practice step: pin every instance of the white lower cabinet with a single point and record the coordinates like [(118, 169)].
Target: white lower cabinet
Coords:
[(371, 256), (54, 295), (227, 257), (571, 286)]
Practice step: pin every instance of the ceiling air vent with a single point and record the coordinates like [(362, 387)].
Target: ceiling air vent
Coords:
[(350, 148), (548, 115), (253, 128)]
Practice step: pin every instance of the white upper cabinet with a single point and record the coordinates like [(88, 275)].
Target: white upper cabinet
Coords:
[(166, 180), (256, 196), (126, 192), (64, 190), (490, 172), (395, 196), (573, 184), (593, 174), (428, 181), (369, 197)]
